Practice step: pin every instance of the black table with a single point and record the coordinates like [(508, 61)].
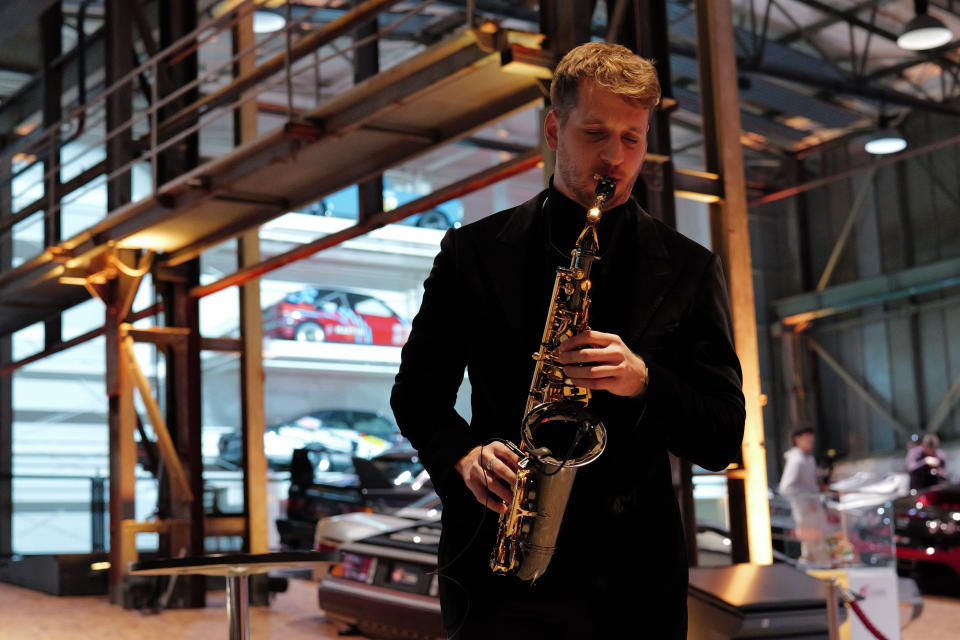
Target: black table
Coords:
[(236, 568), (756, 601)]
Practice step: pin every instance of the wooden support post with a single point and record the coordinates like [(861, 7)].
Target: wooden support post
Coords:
[(164, 442), (123, 455), (251, 337), (720, 107)]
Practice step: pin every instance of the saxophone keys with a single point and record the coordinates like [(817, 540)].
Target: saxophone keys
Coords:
[(585, 286)]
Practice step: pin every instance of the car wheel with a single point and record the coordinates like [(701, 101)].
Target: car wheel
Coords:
[(433, 219), (309, 332)]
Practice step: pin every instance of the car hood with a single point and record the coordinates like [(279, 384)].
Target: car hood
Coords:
[(353, 526)]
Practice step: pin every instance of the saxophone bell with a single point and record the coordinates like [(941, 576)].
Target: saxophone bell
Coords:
[(563, 434)]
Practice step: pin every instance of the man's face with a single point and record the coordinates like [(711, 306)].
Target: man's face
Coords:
[(604, 134), (804, 442)]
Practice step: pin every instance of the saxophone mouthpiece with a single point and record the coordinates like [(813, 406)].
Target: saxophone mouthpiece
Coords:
[(606, 187)]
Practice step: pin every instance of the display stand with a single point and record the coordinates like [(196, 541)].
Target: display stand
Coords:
[(236, 568)]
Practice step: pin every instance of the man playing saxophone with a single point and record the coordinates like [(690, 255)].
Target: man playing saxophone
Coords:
[(658, 359)]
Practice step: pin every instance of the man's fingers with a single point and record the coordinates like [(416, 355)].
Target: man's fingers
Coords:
[(497, 451), (575, 372), (489, 501), (588, 337), (584, 355), (485, 492), (496, 468)]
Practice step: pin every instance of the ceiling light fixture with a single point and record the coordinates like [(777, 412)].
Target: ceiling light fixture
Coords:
[(267, 22), (882, 139), (924, 31), (885, 141)]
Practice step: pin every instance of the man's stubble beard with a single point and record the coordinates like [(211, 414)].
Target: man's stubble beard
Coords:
[(582, 193)]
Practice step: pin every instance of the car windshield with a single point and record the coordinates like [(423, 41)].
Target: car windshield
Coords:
[(376, 426), (306, 296), (399, 471)]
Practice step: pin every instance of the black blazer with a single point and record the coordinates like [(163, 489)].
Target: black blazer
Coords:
[(483, 310)]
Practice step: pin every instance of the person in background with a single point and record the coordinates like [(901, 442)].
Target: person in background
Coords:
[(799, 484), (926, 463)]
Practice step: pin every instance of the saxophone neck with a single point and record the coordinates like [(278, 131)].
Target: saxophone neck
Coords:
[(587, 243)]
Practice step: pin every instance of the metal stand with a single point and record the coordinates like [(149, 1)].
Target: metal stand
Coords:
[(238, 611)]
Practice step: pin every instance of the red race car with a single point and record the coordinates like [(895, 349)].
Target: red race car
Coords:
[(315, 315)]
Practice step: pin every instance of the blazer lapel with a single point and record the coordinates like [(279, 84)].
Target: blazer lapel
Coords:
[(653, 276), (504, 259)]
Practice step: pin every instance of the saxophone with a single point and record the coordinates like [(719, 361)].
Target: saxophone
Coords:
[(558, 434)]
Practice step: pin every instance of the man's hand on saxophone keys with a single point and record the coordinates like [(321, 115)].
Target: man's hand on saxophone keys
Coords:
[(490, 472), (597, 360)]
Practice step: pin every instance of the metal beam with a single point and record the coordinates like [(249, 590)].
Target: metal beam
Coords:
[(264, 70), (119, 21), (870, 27), (942, 412), (875, 403), (865, 187), (833, 19), (27, 100), (51, 45), (800, 310), (6, 385), (731, 240), (16, 14), (843, 175), (470, 184), (366, 64), (650, 38)]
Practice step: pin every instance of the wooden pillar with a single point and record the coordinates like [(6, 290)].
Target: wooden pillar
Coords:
[(251, 335), (122, 420), (720, 107), (121, 413)]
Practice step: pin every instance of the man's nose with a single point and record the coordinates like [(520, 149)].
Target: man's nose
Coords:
[(612, 152)]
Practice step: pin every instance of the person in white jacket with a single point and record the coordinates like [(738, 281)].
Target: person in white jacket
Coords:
[(800, 486)]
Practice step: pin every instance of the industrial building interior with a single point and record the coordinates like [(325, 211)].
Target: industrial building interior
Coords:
[(176, 173)]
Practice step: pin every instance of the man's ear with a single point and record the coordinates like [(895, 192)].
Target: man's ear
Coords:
[(551, 125)]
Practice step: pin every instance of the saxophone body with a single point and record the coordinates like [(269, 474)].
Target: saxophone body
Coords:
[(558, 434)]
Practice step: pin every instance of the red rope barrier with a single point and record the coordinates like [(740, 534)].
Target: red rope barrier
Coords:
[(866, 622)]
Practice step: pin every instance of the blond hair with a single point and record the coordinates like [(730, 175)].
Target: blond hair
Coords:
[(613, 67)]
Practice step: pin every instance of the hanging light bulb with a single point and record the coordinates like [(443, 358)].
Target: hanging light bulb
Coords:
[(924, 31), (885, 141), (267, 22)]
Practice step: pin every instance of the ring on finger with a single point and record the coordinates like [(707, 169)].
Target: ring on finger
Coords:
[(489, 464)]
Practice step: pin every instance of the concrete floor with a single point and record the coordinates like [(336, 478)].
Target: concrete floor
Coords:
[(31, 615), (293, 615)]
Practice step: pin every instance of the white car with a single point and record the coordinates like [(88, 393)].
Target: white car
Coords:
[(347, 527)]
